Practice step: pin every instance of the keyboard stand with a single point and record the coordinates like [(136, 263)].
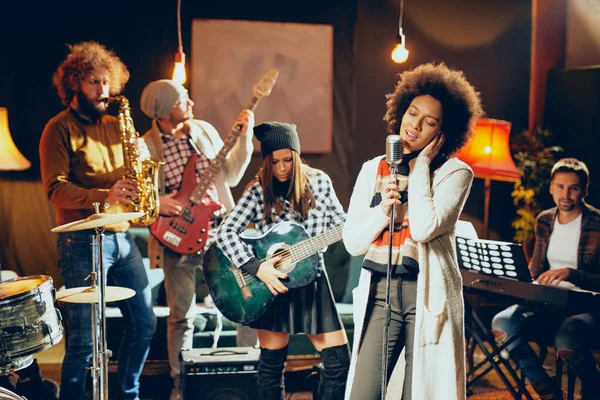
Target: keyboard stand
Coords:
[(493, 360)]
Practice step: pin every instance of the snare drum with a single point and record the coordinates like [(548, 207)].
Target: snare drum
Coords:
[(29, 323)]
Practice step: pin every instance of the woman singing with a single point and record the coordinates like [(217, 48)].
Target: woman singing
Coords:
[(286, 189), (433, 109)]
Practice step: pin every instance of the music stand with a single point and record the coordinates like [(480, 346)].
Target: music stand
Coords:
[(503, 260), (493, 257)]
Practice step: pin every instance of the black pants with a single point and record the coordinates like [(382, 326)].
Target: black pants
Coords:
[(403, 295)]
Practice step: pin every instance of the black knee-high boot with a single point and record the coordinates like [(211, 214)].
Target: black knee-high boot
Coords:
[(270, 374), (336, 362)]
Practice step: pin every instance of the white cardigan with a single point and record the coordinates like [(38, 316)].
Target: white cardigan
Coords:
[(435, 204)]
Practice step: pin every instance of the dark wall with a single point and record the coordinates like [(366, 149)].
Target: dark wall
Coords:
[(494, 54), (489, 40), (571, 114)]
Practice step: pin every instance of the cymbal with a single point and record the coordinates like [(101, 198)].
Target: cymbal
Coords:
[(90, 294), (97, 220)]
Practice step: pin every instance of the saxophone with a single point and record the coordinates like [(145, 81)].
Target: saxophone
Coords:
[(143, 171)]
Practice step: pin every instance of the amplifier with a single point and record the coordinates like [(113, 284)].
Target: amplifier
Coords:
[(219, 374)]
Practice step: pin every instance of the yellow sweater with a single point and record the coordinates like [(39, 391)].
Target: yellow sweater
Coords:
[(80, 161)]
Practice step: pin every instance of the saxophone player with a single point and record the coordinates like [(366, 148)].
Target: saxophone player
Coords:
[(82, 163), (175, 135)]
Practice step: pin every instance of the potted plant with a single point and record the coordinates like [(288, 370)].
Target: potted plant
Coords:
[(534, 155)]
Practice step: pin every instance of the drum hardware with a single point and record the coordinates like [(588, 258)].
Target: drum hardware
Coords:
[(96, 294), (29, 323), (46, 330), (100, 356), (27, 328), (4, 358), (40, 305), (14, 365)]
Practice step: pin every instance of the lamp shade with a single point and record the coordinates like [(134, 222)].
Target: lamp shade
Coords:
[(488, 151), (10, 157)]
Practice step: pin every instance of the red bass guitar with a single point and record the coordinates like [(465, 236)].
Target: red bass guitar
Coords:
[(187, 233)]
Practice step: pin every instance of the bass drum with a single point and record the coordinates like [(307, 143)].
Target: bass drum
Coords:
[(29, 323)]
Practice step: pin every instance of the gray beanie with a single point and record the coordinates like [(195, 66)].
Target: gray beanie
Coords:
[(276, 136), (159, 98)]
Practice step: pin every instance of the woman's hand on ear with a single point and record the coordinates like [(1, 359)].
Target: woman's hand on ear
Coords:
[(432, 149)]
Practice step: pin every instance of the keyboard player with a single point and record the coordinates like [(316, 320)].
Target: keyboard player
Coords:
[(567, 243)]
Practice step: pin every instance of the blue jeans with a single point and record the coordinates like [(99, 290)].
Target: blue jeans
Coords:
[(123, 266), (577, 334)]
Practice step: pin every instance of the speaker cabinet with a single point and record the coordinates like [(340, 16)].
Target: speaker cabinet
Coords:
[(227, 373)]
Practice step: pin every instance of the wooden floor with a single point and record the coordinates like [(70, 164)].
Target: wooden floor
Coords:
[(50, 364), (492, 380)]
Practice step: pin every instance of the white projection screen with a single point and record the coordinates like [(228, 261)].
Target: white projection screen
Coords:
[(229, 57)]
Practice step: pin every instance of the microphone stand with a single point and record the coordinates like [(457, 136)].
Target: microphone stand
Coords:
[(387, 309)]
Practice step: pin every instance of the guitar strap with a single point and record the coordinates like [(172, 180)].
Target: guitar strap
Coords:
[(215, 220), (194, 146), (193, 143)]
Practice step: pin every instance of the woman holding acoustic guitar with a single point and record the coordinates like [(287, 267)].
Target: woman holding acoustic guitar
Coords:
[(286, 189)]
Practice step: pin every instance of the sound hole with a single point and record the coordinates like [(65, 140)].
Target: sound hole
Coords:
[(283, 265)]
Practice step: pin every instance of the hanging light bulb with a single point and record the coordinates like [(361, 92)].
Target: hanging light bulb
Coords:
[(179, 68), (179, 75), (400, 53)]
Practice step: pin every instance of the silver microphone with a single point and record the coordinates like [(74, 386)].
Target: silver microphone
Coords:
[(394, 150)]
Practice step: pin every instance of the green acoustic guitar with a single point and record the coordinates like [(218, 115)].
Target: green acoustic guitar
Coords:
[(244, 298)]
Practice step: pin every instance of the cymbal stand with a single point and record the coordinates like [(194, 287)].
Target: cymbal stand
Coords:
[(100, 354)]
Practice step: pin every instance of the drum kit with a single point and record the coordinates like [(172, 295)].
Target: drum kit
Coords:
[(29, 323)]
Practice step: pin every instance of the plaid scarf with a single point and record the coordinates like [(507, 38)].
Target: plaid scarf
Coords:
[(404, 250)]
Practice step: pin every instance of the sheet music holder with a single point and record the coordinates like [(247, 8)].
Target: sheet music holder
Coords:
[(493, 257), (503, 260)]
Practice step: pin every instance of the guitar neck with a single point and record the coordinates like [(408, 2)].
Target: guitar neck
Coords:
[(216, 165), (308, 247)]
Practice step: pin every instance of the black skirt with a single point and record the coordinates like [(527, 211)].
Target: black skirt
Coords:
[(309, 309)]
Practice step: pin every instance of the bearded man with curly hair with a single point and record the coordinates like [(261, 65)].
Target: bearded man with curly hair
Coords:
[(433, 109), (82, 163)]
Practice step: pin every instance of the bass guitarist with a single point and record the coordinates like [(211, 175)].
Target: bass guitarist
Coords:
[(286, 189), (174, 137)]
